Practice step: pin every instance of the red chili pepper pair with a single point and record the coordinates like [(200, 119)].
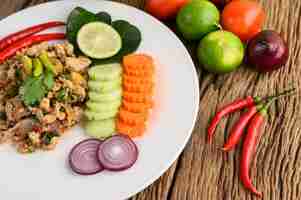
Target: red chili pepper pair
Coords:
[(24, 38), (254, 117)]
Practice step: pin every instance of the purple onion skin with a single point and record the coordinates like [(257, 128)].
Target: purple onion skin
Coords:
[(80, 171), (267, 51)]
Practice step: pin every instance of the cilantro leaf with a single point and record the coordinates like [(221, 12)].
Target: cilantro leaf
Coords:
[(48, 80), (32, 90)]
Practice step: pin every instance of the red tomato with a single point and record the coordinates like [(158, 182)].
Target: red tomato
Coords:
[(244, 18), (164, 9)]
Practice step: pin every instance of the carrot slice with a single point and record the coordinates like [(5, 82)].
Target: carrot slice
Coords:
[(138, 61), (140, 73), (143, 88), (131, 131), (131, 117), (137, 80), (137, 97), (137, 107)]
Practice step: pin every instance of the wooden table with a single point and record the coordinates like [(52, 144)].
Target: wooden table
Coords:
[(204, 173)]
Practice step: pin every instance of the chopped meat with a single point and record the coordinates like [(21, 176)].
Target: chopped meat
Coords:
[(18, 131), (45, 104), (80, 91), (48, 119), (37, 49), (60, 51), (34, 138), (58, 66), (69, 49), (78, 79), (15, 110), (78, 64)]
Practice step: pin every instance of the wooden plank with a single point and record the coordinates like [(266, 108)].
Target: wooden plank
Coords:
[(202, 171)]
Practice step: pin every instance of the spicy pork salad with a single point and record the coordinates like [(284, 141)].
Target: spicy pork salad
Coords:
[(39, 103), (89, 74)]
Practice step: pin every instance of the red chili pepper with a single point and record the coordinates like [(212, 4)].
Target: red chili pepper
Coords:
[(10, 39), (11, 50), (238, 128), (230, 108), (252, 137), (248, 150)]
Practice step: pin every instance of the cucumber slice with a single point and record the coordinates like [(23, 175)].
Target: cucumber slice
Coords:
[(105, 72), (105, 97), (105, 86), (91, 115), (101, 128), (103, 106), (99, 40)]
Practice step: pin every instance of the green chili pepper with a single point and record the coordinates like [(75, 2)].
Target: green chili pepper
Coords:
[(46, 61), (27, 63), (38, 67)]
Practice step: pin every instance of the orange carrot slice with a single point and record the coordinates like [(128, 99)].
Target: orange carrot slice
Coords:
[(136, 107), (130, 130), (140, 73), (138, 62), (137, 97), (143, 88), (137, 80), (131, 117)]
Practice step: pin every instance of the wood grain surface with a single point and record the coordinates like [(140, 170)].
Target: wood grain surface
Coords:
[(202, 172)]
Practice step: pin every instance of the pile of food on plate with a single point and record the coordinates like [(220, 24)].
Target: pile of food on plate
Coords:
[(94, 77), (43, 90)]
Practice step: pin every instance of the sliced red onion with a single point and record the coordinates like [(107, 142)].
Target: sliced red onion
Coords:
[(83, 157), (118, 153)]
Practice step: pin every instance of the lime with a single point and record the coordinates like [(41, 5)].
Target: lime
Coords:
[(197, 19), (221, 52), (99, 40)]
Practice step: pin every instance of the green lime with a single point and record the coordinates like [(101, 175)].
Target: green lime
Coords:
[(197, 19), (221, 52), (99, 40)]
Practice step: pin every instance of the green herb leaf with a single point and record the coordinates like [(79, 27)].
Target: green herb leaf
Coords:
[(77, 18), (32, 90), (48, 80), (61, 95), (104, 17), (18, 73), (47, 137)]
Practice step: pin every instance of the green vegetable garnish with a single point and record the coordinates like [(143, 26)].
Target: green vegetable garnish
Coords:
[(46, 61), (32, 90), (61, 95), (77, 18), (47, 137), (18, 73), (104, 17), (49, 80), (27, 63), (38, 67)]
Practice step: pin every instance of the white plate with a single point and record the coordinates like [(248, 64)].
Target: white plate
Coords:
[(46, 176)]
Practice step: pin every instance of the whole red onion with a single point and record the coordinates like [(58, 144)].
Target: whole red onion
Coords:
[(267, 51)]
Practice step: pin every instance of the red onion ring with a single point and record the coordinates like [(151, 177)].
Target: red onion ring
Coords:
[(117, 153), (83, 157)]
